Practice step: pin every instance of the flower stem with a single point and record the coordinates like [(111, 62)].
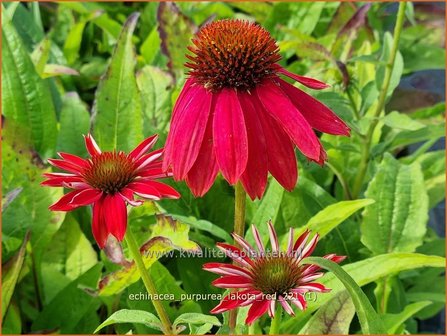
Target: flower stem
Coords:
[(148, 282), (239, 228), (276, 321), (381, 103)]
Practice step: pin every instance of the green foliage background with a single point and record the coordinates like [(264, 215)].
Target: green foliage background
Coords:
[(70, 68)]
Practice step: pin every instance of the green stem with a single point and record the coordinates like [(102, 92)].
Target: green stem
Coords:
[(148, 282), (276, 321), (239, 228), (363, 166)]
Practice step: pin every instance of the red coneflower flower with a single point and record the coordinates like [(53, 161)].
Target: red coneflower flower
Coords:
[(237, 116), (109, 180), (265, 277)]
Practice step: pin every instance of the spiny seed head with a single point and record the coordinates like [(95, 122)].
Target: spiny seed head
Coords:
[(276, 274), (110, 171), (232, 53)]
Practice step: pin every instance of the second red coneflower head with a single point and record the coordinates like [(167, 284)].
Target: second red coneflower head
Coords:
[(235, 115), (108, 181)]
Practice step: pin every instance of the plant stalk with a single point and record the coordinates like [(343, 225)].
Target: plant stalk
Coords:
[(239, 228), (148, 282), (363, 166), (276, 321)]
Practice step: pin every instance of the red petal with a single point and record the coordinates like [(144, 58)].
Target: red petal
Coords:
[(230, 135), (147, 160), (91, 145), (163, 189), (76, 160), (233, 300), (144, 190), (202, 174), (60, 181), (235, 253), (226, 269), (127, 195), (281, 108), (143, 147), (99, 227), (318, 115), (86, 196), (188, 91), (232, 281), (115, 214), (65, 165), (281, 154), (306, 81), (257, 309), (64, 204), (255, 175)]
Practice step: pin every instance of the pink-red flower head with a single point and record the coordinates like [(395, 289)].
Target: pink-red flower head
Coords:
[(265, 278), (108, 181), (237, 116)]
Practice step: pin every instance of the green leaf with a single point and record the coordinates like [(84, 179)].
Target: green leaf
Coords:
[(40, 55), (402, 121), (10, 275), (70, 252), (205, 225), (175, 30), (117, 109), (268, 209), (394, 321), (397, 221), (196, 318), (365, 272), (74, 122), (167, 235), (369, 319), (154, 85), (131, 316), (333, 318), (26, 98), (55, 316), (54, 70)]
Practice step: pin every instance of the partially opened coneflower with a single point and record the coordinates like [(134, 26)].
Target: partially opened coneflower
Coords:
[(268, 277), (108, 181), (236, 115)]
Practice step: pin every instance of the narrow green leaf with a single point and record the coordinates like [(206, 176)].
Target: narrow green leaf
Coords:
[(397, 221), (10, 275), (26, 98), (205, 225), (118, 116), (131, 316), (368, 317), (40, 55), (334, 318)]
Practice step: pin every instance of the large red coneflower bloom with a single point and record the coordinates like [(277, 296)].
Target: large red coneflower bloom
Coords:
[(108, 181), (267, 277), (236, 115)]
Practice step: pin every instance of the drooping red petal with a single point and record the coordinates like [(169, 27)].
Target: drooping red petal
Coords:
[(65, 165), (306, 81), (143, 147), (281, 155), (282, 110), (232, 281), (286, 305), (230, 135), (188, 91), (74, 159), (202, 174), (115, 215), (318, 115), (64, 204), (99, 227), (254, 178), (127, 195), (257, 309), (91, 145)]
